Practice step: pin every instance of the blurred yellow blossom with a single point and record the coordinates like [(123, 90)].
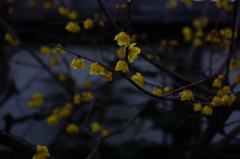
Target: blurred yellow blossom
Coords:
[(87, 84), (186, 95), (63, 10), (73, 27), (224, 90), (123, 39), (62, 77), (45, 50), (87, 96), (133, 52), (72, 129), (138, 79), (121, 52), (157, 91), (187, 33), (207, 110), (104, 132), (236, 79), (167, 90), (41, 152), (197, 107), (53, 61), (96, 69), (58, 51), (73, 15), (88, 24), (121, 66), (188, 2), (101, 23), (78, 63), (52, 120), (9, 38), (36, 101), (108, 76), (170, 4), (77, 99), (95, 127)]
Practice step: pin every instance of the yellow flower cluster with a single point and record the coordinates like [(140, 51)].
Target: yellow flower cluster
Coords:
[(122, 66), (96, 69), (78, 63), (186, 95), (73, 27), (224, 4), (207, 110), (9, 38), (187, 33), (41, 152), (71, 14), (84, 97), (217, 82), (58, 113), (96, 127), (88, 24), (224, 90), (72, 129), (235, 64), (36, 101), (133, 52), (138, 79)]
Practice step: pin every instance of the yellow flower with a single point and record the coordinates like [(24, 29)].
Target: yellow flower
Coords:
[(88, 24), (45, 50), (236, 79), (170, 4), (186, 95), (72, 27), (188, 2), (42, 152), (77, 99), (9, 38), (72, 15), (53, 61), (216, 101), (96, 69), (36, 101), (217, 83), (235, 64), (228, 99), (52, 120), (207, 110), (62, 77), (87, 84), (104, 132), (78, 63), (95, 127), (224, 90), (121, 66), (139, 79), (121, 52), (197, 107), (197, 42), (167, 90), (157, 91), (108, 76), (63, 10), (123, 39), (64, 112), (187, 33), (47, 5), (133, 52), (72, 129), (101, 23), (87, 96), (57, 50)]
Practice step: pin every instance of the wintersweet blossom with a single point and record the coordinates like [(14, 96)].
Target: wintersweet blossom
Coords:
[(108, 76), (123, 39), (72, 129), (207, 110), (9, 38), (73, 27), (95, 127), (167, 90), (96, 69), (78, 63), (58, 51), (88, 24), (52, 120), (41, 152), (186, 95), (197, 107), (133, 52), (63, 10), (157, 91), (139, 79), (87, 96), (45, 50), (77, 99), (122, 66), (104, 132), (72, 15), (36, 101)]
